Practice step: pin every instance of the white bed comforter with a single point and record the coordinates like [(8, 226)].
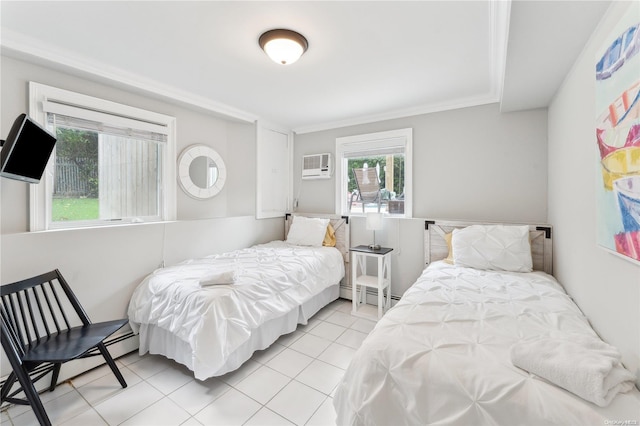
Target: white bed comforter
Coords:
[(441, 356), (271, 280)]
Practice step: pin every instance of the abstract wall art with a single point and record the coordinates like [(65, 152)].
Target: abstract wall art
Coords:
[(617, 138)]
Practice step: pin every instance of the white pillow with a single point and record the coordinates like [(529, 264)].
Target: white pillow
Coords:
[(493, 248), (307, 231)]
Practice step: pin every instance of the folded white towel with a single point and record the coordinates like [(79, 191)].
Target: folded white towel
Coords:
[(226, 276), (583, 365)]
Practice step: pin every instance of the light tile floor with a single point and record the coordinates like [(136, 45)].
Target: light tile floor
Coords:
[(291, 382)]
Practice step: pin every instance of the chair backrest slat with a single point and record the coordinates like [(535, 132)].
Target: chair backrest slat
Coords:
[(17, 318), (30, 311), (54, 317), (25, 324), (43, 318), (55, 295)]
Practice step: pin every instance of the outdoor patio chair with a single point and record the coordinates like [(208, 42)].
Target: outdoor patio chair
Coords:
[(44, 326), (368, 185)]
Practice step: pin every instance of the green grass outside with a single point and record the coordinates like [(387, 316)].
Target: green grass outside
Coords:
[(68, 209)]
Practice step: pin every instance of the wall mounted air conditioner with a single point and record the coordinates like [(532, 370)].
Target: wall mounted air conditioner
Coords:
[(317, 166)]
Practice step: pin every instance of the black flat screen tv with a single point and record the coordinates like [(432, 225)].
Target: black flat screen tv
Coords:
[(26, 151)]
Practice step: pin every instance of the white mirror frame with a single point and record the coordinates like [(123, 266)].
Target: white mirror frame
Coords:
[(187, 156)]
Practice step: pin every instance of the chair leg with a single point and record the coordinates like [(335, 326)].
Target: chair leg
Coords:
[(8, 384), (54, 376), (107, 357), (34, 399)]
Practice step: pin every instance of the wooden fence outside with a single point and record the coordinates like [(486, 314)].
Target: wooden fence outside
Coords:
[(69, 179)]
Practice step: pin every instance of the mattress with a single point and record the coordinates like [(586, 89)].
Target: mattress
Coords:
[(213, 329), (441, 356)]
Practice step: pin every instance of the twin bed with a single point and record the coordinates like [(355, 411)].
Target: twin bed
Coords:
[(443, 355), (211, 314)]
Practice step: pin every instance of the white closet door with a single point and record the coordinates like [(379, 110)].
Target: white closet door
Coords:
[(273, 186)]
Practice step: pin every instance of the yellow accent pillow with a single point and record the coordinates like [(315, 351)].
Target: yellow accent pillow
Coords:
[(447, 238), (329, 237)]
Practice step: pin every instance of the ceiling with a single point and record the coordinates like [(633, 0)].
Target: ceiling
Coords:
[(367, 60)]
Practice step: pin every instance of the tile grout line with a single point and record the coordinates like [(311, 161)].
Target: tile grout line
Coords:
[(91, 407)]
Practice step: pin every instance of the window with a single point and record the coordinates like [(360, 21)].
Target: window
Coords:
[(374, 171), (112, 163)]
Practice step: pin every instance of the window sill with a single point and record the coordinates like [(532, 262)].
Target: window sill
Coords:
[(105, 226), (385, 215)]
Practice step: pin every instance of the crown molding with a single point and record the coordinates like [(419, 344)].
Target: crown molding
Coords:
[(25, 48), (403, 113)]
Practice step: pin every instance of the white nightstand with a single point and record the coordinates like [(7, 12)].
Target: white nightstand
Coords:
[(381, 281)]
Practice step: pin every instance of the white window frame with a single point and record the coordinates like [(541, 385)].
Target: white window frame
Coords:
[(40, 195), (366, 143)]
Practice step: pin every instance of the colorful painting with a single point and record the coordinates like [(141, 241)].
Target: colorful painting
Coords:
[(617, 131)]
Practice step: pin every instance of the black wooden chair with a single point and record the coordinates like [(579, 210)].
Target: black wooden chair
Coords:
[(40, 332)]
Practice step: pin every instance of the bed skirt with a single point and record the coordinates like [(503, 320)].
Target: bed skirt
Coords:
[(158, 341)]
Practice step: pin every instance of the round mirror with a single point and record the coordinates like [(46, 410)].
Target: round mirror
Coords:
[(201, 172)]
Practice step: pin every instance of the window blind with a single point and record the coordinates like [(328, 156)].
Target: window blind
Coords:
[(60, 114), (373, 148)]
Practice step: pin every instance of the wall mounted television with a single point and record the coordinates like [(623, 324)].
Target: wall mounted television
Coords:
[(26, 151)]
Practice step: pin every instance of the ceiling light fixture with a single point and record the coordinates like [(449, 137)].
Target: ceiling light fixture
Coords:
[(283, 46)]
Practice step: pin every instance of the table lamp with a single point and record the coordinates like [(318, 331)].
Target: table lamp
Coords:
[(374, 223)]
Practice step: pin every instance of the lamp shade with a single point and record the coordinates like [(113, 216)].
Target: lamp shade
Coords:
[(283, 46), (374, 221)]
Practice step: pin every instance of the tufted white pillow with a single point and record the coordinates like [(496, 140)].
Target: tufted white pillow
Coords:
[(493, 247), (307, 231)]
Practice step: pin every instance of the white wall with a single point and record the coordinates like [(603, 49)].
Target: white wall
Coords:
[(241, 169), (472, 163), (103, 265), (605, 287)]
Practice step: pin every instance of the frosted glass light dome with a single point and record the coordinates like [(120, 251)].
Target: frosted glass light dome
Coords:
[(283, 46)]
